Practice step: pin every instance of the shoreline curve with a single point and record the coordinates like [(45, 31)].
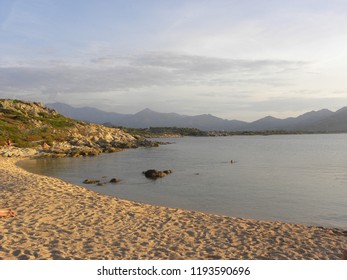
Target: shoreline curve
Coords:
[(58, 220)]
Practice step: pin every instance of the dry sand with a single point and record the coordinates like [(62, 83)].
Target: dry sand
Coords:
[(57, 220)]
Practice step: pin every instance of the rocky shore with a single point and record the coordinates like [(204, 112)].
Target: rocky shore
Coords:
[(75, 148)]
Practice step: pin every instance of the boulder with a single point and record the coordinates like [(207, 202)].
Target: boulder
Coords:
[(154, 174)]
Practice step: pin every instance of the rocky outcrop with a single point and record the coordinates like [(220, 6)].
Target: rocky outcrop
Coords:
[(27, 108), (154, 174)]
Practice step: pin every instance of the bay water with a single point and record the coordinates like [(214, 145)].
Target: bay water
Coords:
[(292, 178)]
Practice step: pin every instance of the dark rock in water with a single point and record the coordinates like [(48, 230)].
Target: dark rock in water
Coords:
[(154, 174), (89, 181), (150, 173), (114, 180)]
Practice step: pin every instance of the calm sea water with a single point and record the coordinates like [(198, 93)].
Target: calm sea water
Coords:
[(292, 178)]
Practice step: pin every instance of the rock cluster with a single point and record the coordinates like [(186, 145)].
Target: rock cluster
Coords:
[(101, 140), (92, 139)]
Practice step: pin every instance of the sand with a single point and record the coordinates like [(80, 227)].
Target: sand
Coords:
[(57, 220)]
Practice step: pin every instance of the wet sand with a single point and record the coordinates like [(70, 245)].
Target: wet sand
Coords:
[(58, 220)]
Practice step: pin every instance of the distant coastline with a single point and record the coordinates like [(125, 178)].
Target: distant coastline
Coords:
[(177, 132)]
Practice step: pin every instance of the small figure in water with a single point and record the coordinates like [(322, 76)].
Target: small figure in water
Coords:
[(231, 161)]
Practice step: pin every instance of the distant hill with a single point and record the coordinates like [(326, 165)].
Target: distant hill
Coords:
[(334, 122), (147, 118), (315, 121), (88, 114), (300, 123)]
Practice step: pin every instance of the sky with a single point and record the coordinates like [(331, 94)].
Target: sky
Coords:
[(235, 59)]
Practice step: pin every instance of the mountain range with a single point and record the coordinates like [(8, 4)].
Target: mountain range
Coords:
[(315, 121)]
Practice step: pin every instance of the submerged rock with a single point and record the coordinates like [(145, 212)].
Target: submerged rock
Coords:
[(90, 181)]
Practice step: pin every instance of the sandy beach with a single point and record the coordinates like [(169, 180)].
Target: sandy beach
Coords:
[(58, 220)]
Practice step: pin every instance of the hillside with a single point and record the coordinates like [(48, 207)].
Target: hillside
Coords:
[(31, 124), (335, 122), (89, 114)]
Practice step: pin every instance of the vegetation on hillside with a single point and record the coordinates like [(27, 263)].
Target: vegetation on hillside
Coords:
[(27, 124)]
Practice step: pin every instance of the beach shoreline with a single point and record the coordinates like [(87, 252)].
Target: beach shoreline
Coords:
[(58, 220)]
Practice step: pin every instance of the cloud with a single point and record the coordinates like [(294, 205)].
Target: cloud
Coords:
[(163, 81), (189, 64), (137, 71)]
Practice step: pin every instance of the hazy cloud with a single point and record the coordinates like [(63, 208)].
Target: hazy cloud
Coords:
[(137, 71), (164, 81)]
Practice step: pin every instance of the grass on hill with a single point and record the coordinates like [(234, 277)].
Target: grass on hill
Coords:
[(25, 130)]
